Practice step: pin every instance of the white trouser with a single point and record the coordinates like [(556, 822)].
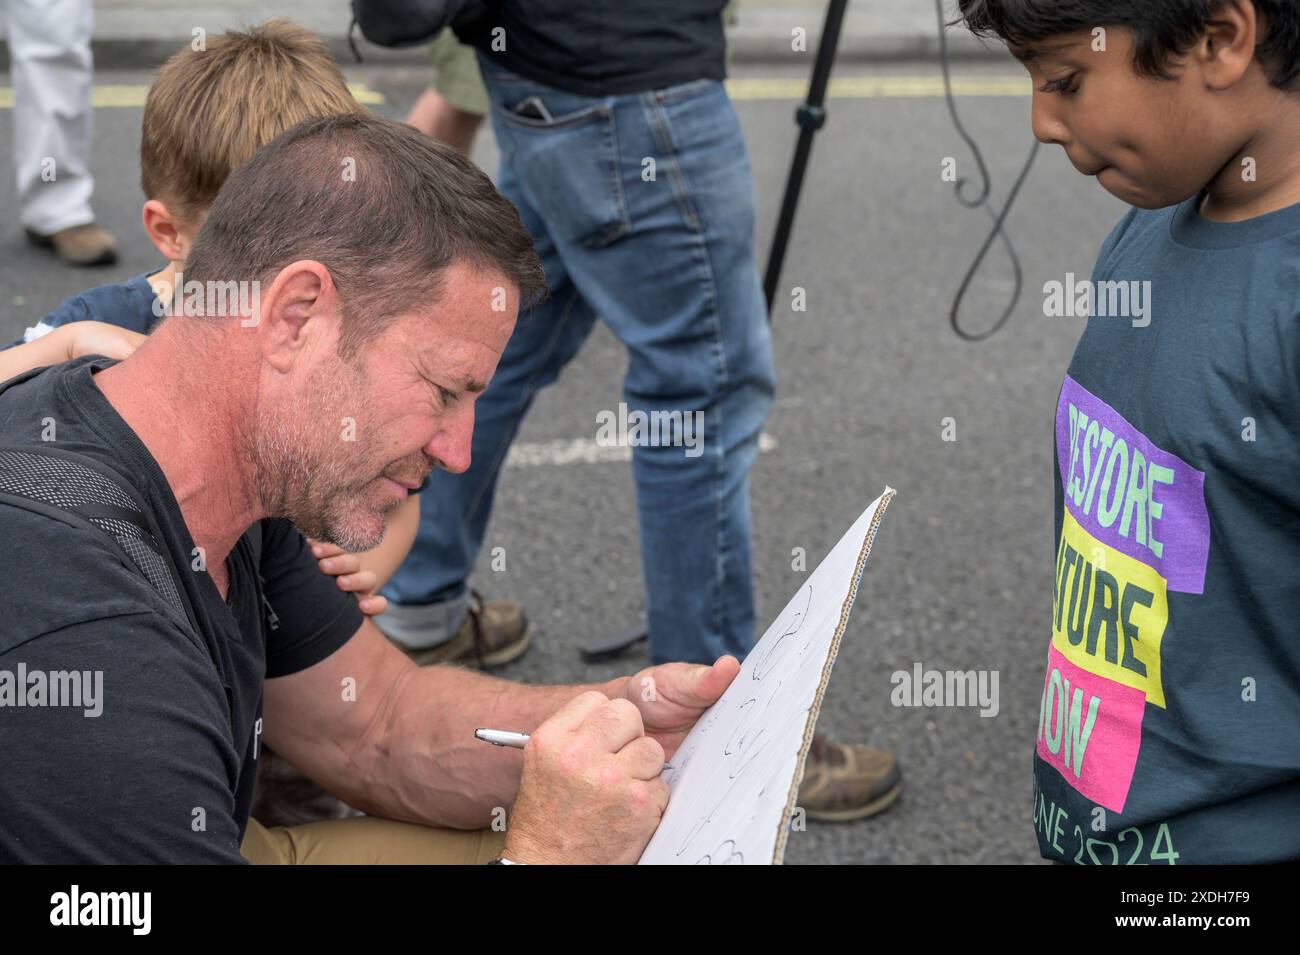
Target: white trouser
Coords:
[(49, 51)]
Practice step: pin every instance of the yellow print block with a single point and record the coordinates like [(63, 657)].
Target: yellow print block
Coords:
[(1109, 612)]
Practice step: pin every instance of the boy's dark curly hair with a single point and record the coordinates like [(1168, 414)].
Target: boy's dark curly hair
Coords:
[(1162, 29)]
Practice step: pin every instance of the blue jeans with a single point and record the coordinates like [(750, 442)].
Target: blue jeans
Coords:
[(664, 254)]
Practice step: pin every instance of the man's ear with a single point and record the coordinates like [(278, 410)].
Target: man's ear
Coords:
[(169, 235), (1227, 49), (298, 312)]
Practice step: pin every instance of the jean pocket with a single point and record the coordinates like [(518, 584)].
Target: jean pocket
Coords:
[(567, 163)]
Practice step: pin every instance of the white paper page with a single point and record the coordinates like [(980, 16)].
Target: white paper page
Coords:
[(734, 779)]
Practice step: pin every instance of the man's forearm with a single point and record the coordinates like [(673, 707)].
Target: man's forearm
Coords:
[(423, 761)]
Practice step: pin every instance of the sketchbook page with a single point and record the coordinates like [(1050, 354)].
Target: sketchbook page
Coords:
[(733, 781)]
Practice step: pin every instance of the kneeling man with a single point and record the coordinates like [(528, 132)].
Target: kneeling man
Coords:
[(386, 275)]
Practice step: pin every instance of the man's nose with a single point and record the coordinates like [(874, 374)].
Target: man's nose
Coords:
[(451, 444), (1046, 126)]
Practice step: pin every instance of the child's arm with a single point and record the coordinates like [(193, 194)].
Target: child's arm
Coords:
[(364, 574), (67, 342), (389, 555)]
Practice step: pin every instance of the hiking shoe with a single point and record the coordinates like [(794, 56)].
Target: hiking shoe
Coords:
[(87, 244), (492, 635), (841, 782)]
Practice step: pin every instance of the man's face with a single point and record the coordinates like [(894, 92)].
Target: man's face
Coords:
[(360, 433), (1149, 141)]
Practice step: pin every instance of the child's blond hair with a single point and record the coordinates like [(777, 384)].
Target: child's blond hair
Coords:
[(209, 109)]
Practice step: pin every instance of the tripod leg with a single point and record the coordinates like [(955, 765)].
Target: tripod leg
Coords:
[(810, 117)]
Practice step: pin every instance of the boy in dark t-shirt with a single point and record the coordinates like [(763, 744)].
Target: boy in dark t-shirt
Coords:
[(1169, 725)]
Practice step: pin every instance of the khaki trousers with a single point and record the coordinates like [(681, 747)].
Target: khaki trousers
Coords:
[(368, 840)]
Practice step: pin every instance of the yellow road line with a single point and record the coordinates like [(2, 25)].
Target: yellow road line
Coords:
[(740, 88), (109, 96), (877, 87)]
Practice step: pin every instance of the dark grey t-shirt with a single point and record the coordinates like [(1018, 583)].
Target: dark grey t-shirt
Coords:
[(604, 47), (1169, 730), (164, 773)]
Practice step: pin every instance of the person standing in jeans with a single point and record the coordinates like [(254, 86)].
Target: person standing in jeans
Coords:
[(621, 149)]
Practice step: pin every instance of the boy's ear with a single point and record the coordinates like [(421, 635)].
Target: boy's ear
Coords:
[(1226, 50), (165, 230)]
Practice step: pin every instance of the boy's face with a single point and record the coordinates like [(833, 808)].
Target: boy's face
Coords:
[(1149, 141)]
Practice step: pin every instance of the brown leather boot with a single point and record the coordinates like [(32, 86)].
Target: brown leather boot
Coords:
[(79, 245), (492, 635), (841, 782)]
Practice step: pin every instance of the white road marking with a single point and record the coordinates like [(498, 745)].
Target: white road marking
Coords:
[(525, 454)]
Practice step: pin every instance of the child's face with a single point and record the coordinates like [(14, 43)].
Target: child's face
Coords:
[(1152, 142)]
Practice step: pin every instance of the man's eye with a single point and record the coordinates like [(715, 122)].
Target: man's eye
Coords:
[(447, 396), (1063, 85)]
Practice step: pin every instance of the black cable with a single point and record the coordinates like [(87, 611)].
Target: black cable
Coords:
[(981, 200), (352, 40)]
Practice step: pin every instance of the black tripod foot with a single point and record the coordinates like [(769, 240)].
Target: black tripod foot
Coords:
[(611, 645)]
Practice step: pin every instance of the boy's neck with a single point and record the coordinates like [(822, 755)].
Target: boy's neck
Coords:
[(1274, 154), (167, 275)]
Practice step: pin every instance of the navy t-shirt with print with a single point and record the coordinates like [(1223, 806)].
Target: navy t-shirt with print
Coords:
[(164, 773), (1169, 728)]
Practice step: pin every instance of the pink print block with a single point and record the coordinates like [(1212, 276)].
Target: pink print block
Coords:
[(1090, 730)]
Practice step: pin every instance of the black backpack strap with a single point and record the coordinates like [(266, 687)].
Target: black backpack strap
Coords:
[(86, 493)]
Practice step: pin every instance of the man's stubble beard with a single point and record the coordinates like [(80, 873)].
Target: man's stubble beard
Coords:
[(311, 488)]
